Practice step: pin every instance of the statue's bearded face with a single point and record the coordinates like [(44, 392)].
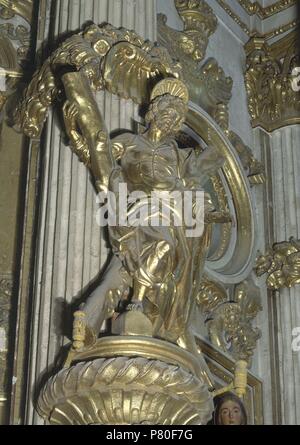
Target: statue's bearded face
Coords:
[(167, 114)]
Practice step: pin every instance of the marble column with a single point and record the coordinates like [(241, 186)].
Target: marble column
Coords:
[(70, 247), (286, 219), (278, 210)]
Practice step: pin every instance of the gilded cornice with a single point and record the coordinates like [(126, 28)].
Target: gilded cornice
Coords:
[(268, 11), (234, 16), (281, 29), (250, 32), (281, 263), (272, 100)]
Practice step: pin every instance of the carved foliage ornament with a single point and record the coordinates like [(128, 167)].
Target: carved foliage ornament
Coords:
[(97, 52), (272, 101), (282, 264), (229, 321)]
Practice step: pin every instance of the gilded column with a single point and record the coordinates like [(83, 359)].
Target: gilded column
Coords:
[(70, 247)]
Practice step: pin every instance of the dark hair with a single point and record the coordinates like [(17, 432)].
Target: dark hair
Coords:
[(220, 400)]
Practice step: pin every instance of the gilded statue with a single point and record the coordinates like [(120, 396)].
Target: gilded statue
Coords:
[(153, 278), (149, 289)]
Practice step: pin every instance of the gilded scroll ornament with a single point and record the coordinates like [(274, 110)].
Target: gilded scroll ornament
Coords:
[(272, 100), (229, 320), (281, 264), (117, 60), (254, 169)]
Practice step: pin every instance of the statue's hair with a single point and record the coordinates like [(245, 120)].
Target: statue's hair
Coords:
[(163, 102), (220, 400)]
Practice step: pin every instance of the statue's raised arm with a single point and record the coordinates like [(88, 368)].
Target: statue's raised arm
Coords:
[(86, 128)]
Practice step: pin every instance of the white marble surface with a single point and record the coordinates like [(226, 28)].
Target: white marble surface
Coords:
[(286, 201)]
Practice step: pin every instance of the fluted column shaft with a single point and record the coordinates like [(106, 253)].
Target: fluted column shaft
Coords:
[(71, 248), (286, 216)]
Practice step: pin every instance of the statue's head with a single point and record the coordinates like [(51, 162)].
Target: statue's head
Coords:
[(168, 107), (230, 410)]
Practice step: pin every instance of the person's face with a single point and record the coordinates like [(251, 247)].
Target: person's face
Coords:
[(230, 414), (168, 119)]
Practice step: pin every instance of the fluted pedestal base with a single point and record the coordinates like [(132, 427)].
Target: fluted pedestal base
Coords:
[(127, 381)]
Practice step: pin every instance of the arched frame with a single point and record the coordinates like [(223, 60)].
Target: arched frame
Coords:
[(237, 261)]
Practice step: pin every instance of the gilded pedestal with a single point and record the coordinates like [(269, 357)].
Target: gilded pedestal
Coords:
[(128, 380)]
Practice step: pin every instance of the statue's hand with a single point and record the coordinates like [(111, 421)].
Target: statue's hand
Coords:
[(78, 142)]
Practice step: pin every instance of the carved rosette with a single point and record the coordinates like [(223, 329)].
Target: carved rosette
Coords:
[(126, 389)]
